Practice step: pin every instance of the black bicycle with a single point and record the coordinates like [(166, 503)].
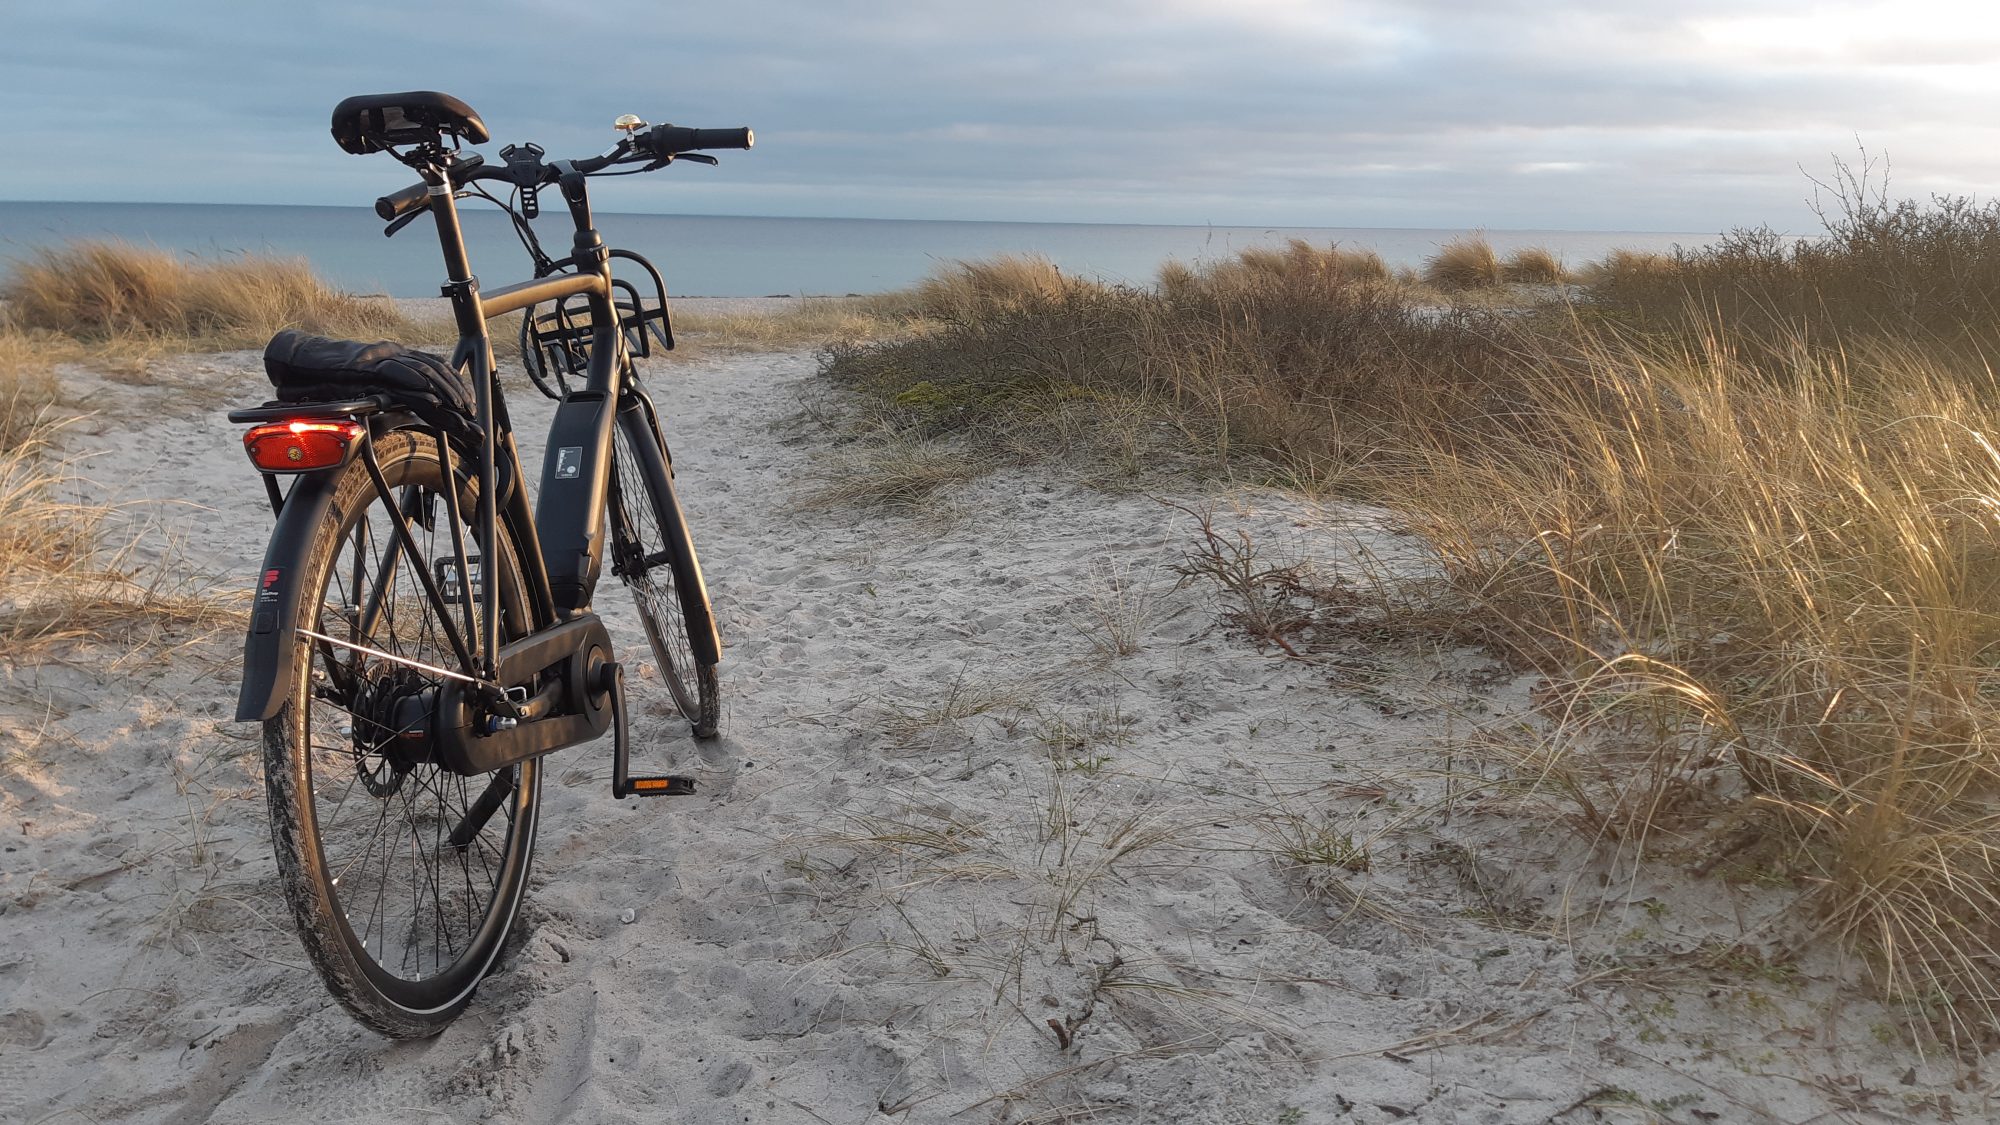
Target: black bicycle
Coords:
[(420, 638)]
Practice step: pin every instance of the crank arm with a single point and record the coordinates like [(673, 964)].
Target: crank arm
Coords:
[(623, 784)]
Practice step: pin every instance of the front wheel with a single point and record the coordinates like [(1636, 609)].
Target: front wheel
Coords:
[(403, 877), (654, 555)]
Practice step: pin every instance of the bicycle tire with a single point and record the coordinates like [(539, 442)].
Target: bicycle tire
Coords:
[(653, 554), (338, 797)]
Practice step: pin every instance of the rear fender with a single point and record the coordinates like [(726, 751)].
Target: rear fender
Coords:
[(274, 612)]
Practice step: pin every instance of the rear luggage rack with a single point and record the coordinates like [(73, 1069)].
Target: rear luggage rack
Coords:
[(286, 411)]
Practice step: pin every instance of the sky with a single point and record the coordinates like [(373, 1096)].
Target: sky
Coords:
[(1695, 116)]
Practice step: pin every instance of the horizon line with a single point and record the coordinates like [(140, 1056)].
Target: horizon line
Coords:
[(868, 219)]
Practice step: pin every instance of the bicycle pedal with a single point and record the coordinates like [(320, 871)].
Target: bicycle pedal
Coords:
[(667, 785)]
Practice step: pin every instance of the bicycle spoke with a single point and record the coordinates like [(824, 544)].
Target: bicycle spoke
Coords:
[(414, 899), (645, 564)]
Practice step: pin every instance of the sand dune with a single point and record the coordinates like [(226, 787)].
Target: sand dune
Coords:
[(1005, 825)]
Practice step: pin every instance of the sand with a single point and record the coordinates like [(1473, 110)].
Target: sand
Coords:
[(1006, 824)]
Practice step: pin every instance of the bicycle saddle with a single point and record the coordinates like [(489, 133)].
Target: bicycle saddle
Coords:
[(369, 123)]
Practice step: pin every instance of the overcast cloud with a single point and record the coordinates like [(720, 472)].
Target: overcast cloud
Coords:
[(1432, 113)]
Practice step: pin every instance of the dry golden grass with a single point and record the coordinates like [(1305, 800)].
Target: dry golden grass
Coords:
[(113, 291), (966, 290), (1463, 263), (1533, 265), (1300, 363), (1741, 510), (1775, 586), (1632, 267), (809, 322), (58, 581), (67, 569), (899, 471), (1263, 268), (27, 380)]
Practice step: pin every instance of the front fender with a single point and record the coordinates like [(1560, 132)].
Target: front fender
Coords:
[(274, 612)]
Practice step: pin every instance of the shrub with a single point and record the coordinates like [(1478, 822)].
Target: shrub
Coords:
[(1880, 269)]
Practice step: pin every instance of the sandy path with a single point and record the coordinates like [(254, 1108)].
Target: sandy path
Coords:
[(956, 857)]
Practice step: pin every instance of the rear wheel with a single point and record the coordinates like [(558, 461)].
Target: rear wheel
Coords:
[(403, 877), (654, 555)]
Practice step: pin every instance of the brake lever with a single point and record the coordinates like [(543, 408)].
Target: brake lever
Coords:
[(404, 220), (698, 158)]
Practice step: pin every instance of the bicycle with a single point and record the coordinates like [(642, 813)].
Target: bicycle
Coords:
[(419, 639)]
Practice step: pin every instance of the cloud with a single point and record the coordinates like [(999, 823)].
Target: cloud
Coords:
[(1306, 112)]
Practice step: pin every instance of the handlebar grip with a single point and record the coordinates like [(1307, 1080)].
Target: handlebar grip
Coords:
[(412, 198), (418, 196), (664, 140)]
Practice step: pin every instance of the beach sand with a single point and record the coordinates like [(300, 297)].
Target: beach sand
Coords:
[(1005, 824)]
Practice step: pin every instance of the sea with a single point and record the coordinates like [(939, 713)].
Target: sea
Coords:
[(729, 256)]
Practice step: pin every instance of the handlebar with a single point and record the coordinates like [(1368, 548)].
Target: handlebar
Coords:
[(659, 144)]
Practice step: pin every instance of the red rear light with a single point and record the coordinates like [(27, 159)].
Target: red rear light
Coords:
[(297, 447)]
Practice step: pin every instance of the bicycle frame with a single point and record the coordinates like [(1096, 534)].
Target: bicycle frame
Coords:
[(561, 541)]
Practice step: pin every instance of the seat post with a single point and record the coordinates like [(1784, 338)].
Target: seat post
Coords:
[(460, 286)]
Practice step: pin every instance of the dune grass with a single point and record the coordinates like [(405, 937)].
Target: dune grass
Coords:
[(103, 291), (66, 569), (1740, 508), (1463, 263), (27, 379), (807, 322), (963, 291), (1533, 265), (1774, 592), (1265, 268), (1296, 363)]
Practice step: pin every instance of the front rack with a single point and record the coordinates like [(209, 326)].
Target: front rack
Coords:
[(556, 336)]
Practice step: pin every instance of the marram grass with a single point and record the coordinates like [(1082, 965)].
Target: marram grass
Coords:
[(1740, 507)]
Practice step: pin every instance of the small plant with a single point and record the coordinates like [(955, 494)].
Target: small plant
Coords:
[(909, 724), (894, 470), (1119, 609), (1270, 601), (1071, 738), (1306, 841)]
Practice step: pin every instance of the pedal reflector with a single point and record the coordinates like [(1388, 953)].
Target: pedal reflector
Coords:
[(672, 785)]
